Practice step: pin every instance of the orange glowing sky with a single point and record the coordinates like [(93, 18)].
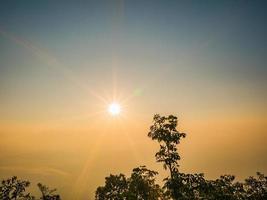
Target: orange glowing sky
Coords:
[(63, 64)]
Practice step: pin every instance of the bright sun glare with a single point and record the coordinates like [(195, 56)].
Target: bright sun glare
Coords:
[(114, 109)]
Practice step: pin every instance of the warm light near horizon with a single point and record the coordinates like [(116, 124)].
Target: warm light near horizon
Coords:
[(114, 109)]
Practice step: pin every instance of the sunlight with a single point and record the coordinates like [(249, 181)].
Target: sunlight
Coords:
[(114, 109)]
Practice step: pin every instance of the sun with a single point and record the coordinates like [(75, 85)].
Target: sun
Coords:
[(114, 108)]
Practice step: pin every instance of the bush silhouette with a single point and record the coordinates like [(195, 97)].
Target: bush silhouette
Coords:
[(15, 189), (140, 185)]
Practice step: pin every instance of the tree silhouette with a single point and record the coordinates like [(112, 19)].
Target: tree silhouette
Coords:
[(139, 186), (164, 131), (187, 186), (48, 194), (142, 184), (13, 188), (115, 188), (256, 188)]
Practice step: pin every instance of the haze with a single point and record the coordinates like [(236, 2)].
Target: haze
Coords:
[(63, 63)]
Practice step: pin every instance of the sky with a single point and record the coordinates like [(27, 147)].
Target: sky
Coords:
[(63, 62)]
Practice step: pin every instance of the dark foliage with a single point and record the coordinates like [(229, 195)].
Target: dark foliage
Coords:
[(47, 194), (164, 131), (140, 185), (116, 187), (15, 189)]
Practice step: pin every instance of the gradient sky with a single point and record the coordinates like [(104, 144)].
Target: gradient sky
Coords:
[(62, 62)]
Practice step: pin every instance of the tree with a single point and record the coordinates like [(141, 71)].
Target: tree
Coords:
[(47, 194), (223, 188), (13, 188), (142, 185), (256, 188), (164, 131), (116, 188), (139, 186), (187, 186)]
